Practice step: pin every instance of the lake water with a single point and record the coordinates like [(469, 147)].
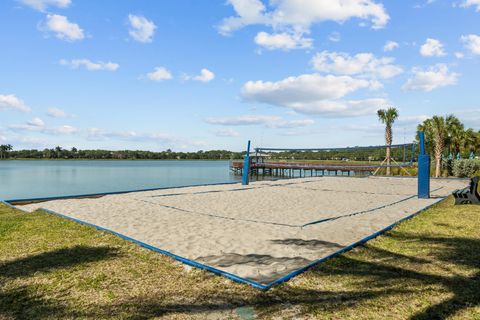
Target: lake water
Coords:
[(50, 178)]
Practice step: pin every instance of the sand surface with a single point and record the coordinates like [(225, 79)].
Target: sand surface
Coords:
[(260, 232)]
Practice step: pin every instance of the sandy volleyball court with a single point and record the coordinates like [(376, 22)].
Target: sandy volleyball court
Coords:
[(261, 232)]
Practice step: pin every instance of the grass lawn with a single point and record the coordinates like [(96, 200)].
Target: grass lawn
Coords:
[(426, 268)]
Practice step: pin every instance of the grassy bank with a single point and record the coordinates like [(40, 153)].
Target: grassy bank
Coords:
[(428, 267)]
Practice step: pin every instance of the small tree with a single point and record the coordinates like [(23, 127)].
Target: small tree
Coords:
[(4, 149), (436, 129), (388, 117)]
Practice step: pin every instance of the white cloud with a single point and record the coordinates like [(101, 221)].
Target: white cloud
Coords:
[(365, 64), (291, 19), (10, 101), (411, 120), (314, 94), (472, 43), (65, 129), (434, 77), (471, 3), (141, 29), (245, 120), (306, 87), (404, 126), (335, 37), (459, 55), (56, 113), (284, 41), (63, 29), (204, 76), (101, 134), (42, 5), (267, 121), (89, 65), (390, 46), (340, 108), (24, 142), (248, 12), (36, 122), (289, 124), (228, 132), (159, 74), (299, 15), (38, 125), (432, 48)]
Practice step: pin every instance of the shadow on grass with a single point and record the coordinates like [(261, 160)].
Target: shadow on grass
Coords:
[(23, 302), (62, 258), (377, 273), (147, 308), (384, 274), (455, 250)]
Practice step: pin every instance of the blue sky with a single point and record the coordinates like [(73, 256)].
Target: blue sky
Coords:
[(191, 75)]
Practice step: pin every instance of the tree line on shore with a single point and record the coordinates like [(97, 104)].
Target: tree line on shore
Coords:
[(74, 153)]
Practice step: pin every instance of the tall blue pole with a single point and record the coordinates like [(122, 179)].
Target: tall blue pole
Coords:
[(246, 166), (423, 170)]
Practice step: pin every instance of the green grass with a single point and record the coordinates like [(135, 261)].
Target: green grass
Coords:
[(426, 268)]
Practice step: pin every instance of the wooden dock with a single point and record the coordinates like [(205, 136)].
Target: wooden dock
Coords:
[(301, 169)]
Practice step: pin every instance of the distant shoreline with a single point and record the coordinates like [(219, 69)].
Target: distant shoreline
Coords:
[(86, 159)]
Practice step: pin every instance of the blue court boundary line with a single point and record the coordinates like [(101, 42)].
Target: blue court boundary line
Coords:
[(12, 206), (87, 195), (164, 252), (363, 211), (349, 247), (212, 269), (99, 194), (231, 276)]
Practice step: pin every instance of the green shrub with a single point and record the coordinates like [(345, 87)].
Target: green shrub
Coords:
[(466, 168)]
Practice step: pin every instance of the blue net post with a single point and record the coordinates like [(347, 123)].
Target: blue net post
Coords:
[(423, 170), (246, 166)]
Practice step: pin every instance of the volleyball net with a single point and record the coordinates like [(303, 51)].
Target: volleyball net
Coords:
[(382, 156), (358, 158), (371, 159)]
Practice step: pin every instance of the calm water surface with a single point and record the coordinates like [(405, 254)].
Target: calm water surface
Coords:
[(47, 178)]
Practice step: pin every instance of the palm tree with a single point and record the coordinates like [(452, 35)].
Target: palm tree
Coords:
[(477, 142), (58, 151), (455, 134), (388, 117), (469, 140), (436, 129), (4, 149)]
